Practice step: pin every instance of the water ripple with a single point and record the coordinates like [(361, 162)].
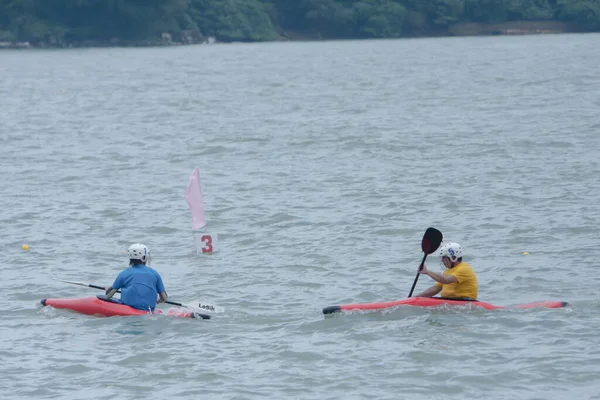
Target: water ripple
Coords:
[(322, 164)]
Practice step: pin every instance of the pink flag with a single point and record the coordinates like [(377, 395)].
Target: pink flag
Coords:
[(194, 199)]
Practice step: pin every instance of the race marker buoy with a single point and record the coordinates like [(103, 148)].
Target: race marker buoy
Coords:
[(25, 247), (204, 242), (525, 253)]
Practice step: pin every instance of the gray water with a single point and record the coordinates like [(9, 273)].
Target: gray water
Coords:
[(322, 164)]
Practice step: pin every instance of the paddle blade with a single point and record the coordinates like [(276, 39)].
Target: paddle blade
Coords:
[(431, 240), (72, 283), (430, 243)]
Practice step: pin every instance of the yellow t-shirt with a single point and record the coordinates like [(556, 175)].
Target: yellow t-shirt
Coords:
[(466, 285)]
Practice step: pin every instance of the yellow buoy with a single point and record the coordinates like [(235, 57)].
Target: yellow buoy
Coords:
[(25, 247), (525, 253)]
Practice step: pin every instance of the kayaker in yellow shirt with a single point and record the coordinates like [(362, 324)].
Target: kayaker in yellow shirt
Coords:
[(458, 280)]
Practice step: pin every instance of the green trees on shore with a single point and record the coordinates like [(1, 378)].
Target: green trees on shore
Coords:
[(56, 22)]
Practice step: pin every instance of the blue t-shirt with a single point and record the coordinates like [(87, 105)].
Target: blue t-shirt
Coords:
[(139, 286)]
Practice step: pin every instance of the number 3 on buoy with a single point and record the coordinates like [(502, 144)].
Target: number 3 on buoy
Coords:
[(206, 243), (207, 240)]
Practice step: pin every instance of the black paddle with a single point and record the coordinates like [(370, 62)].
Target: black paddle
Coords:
[(199, 315), (430, 243)]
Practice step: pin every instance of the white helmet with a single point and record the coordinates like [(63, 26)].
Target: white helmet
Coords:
[(451, 250), (139, 252)]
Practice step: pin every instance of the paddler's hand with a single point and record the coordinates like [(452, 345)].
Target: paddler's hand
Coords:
[(424, 270)]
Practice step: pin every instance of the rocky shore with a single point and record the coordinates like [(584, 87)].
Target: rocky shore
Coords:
[(166, 39)]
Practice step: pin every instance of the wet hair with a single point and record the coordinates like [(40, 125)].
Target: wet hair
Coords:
[(135, 262)]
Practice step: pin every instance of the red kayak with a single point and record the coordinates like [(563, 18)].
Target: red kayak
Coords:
[(437, 301), (110, 308)]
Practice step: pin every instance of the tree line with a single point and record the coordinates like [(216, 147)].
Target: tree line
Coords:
[(64, 21)]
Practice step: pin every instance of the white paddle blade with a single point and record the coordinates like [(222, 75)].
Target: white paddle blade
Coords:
[(210, 308), (72, 282)]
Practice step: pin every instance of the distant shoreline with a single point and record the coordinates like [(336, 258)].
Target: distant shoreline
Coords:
[(512, 28), (165, 41), (457, 30)]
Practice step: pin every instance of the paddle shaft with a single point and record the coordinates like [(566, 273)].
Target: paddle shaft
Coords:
[(417, 277)]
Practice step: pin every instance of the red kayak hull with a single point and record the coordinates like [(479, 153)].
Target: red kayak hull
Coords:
[(104, 308), (435, 302)]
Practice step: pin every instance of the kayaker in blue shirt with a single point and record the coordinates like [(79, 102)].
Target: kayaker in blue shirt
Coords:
[(139, 283)]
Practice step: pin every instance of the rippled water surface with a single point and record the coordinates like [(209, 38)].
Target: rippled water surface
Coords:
[(322, 165)]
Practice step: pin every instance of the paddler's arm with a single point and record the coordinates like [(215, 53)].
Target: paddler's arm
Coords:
[(430, 292), (162, 297), (160, 289), (110, 292), (116, 285), (443, 279)]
